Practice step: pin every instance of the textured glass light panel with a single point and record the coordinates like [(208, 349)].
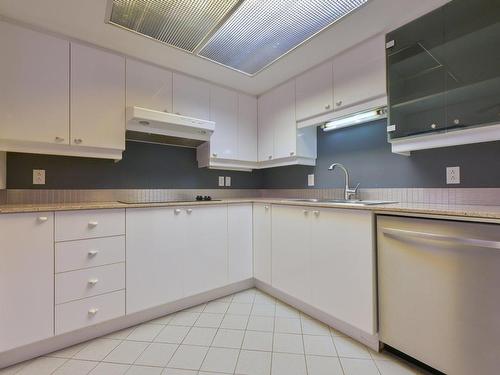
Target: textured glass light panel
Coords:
[(261, 31), (180, 23)]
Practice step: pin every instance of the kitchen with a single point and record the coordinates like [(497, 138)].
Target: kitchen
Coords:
[(247, 187)]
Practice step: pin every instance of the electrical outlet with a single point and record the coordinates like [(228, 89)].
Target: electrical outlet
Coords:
[(38, 176), (221, 180), (452, 175), (228, 181), (310, 180)]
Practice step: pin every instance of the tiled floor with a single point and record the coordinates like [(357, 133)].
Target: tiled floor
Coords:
[(248, 333)]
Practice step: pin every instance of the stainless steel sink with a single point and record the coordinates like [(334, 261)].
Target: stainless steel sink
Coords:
[(356, 202)]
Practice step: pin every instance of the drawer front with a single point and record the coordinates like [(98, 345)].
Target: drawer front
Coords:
[(76, 255), (90, 282), (76, 225), (89, 311)]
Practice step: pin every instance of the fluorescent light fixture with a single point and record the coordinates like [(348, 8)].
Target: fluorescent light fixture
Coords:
[(355, 119)]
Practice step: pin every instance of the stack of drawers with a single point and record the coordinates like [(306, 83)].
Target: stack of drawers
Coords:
[(89, 267)]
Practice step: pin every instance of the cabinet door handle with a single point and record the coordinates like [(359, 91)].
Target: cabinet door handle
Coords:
[(306, 212), (177, 211), (93, 224), (78, 141), (270, 157), (339, 103), (327, 106), (93, 253), (43, 219), (214, 155), (92, 312), (189, 210), (93, 282), (59, 139), (316, 213), (266, 207), (292, 153)]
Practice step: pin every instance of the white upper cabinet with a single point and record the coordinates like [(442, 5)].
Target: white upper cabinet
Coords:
[(359, 74), (285, 126), (247, 128), (224, 111), (148, 86), (191, 97), (314, 92), (266, 127), (34, 86), (97, 98)]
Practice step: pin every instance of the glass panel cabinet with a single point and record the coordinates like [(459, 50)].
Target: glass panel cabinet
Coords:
[(443, 69)]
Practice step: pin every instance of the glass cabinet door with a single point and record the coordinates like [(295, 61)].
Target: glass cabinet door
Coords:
[(416, 76), (472, 55)]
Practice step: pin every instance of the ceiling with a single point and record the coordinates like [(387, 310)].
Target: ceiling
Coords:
[(84, 20)]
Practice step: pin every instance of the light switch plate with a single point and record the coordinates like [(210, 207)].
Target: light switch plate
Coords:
[(38, 176), (221, 180), (228, 181), (452, 175), (310, 180)]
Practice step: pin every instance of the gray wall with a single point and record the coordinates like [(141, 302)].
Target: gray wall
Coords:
[(365, 152)]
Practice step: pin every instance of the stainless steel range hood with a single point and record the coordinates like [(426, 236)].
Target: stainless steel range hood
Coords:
[(147, 125)]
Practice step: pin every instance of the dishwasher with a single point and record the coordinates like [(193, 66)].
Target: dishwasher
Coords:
[(439, 292)]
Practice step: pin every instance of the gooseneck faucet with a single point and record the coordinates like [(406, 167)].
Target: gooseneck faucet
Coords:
[(348, 192)]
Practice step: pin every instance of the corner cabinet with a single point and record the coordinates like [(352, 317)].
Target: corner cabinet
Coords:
[(262, 242)]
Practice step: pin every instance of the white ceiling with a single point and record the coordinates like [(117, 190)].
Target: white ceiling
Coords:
[(84, 20)]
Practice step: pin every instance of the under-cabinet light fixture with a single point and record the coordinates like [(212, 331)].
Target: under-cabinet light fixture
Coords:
[(355, 119)]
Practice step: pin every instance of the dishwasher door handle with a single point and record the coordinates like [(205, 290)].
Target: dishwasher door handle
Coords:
[(409, 234)]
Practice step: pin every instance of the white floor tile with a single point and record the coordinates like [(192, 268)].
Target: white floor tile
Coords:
[(319, 345), (172, 334), (226, 299), (347, 347), (68, 352), (334, 332), (258, 341), (175, 371), (209, 320), (396, 368), (144, 370), (314, 327), (163, 320), (110, 369), (127, 352), (76, 367), (263, 310), (42, 366), (246, 296), (262, 298), (288, 343), (97, 350), (228, 338), (215, 307), (120, 335), (145, 332), (11, 370), (188, 357), (157, 354), (286, 311), (234, 321), (288, 364), (261, 323), (239, 308), (355, 366), (287, 325), (184, 319), (200, 336), (323, 365), (220, 360), (196, 309), (253, 363)]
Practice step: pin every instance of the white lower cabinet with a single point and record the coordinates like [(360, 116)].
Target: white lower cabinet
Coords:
[(26, 278), (262, 242), (240, 247)]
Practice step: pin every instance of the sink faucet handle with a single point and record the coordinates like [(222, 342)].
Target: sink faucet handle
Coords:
[(357, 187)]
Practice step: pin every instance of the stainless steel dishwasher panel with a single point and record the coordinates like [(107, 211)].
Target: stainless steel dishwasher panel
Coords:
[(439, 292)]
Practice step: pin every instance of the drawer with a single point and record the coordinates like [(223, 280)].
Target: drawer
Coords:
[(75, 255), (86, 312), (76, 225), (89, 282)]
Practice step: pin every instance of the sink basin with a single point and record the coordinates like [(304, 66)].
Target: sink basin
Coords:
[(344, 201)]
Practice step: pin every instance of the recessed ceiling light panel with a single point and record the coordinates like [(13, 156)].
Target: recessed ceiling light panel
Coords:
[(180, 23), (261, 31)]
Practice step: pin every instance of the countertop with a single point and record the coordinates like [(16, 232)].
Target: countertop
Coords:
[(484, 213)]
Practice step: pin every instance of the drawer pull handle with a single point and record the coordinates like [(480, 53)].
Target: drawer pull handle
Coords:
[(316, 213), (43, 219), (93, 224), (92, 312), (93, 253), (92, 282), (306, 212), (177, 211), (189, 210), (266, 207)]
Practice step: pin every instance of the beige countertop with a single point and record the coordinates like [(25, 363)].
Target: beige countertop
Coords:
[(420, 209)]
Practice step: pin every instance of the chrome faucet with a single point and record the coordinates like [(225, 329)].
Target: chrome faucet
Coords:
[(349, 193)]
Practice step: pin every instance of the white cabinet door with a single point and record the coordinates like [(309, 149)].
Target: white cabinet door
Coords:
[(34, 86), (285, 125), (359, 74), (148, 86), (191, 97), (266, 127), (314, 91), (291, 241), (26, 278), (205, 258), (240, 242), (262, 242), (247, 128), (156, 243), (224, 111), (343, 266), (97, 98)]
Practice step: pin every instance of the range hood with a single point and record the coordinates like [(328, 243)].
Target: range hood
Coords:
[(148, 125)]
